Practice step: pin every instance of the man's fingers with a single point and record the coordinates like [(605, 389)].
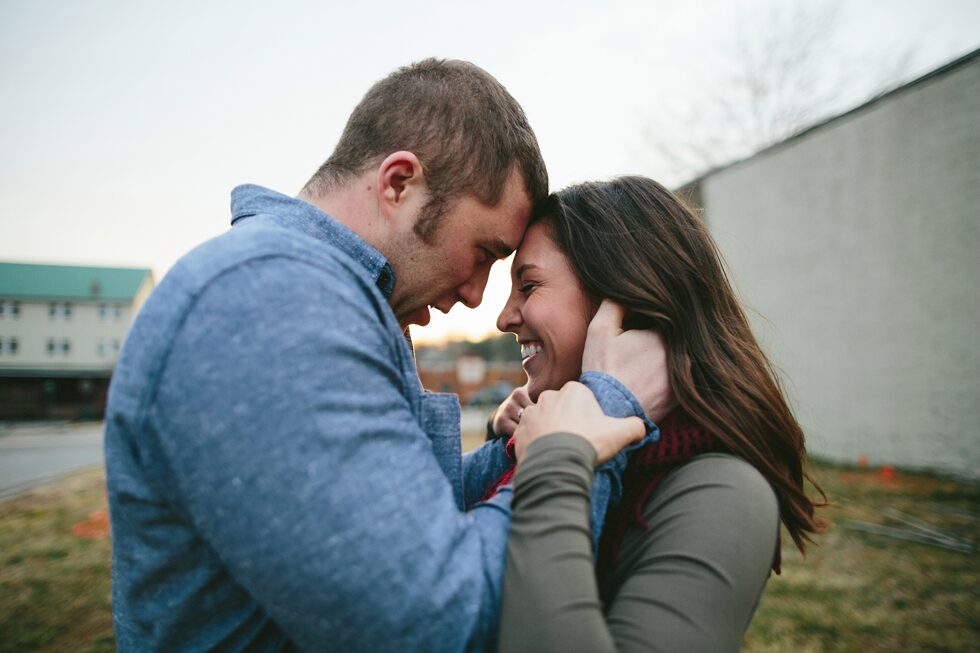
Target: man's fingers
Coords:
[(609, 318)]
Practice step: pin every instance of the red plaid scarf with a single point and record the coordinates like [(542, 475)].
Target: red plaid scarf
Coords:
[(681, 439), (508, 475)]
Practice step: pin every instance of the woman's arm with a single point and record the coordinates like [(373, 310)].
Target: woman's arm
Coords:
[(688, 583)]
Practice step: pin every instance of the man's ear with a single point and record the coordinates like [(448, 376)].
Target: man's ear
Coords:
[(401, 182)]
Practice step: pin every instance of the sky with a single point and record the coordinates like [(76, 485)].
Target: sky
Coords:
[(124, 125)]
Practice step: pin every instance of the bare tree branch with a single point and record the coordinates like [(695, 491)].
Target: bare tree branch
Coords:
[(782, 72)]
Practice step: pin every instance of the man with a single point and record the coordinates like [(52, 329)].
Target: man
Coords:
[(277, 477)]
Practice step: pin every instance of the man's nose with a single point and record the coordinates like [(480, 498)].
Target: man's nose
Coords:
[(471, 292)]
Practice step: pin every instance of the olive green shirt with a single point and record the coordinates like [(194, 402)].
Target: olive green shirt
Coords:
[(690, 582)]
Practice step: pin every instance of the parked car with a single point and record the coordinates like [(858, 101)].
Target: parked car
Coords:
[(491, 395)]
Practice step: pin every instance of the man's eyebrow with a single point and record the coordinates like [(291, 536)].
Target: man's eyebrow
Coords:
[(500, 248)]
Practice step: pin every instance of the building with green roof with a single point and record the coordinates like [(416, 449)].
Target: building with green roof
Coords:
[(61, 330)]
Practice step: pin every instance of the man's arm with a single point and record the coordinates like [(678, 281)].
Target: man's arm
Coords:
[(483, 467), (297, 457)]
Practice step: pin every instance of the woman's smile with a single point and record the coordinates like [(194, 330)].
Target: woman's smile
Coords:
[(529, 352), (548, 312)]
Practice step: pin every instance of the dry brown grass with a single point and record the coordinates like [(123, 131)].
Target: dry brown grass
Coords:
[(863, 592), (854, 592), (54, 583)]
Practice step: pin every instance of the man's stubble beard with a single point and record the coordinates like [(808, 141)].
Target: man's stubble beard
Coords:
[(413, 255)]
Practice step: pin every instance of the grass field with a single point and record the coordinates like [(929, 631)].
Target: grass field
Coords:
[(855, 591)]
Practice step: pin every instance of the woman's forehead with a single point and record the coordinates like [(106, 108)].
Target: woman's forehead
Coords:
[(538, 250)]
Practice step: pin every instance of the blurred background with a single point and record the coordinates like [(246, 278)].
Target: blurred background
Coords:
[(833, 148)]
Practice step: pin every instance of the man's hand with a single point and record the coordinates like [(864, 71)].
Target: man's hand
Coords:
[(636, 358), (508, 414), (573, 409)]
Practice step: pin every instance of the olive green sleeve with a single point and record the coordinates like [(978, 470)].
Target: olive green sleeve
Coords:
[(688, 583)]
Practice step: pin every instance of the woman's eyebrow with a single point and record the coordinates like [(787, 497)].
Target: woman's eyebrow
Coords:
[(524, 267)]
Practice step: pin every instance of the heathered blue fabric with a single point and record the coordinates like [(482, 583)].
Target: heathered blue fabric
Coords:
[(278, 479)]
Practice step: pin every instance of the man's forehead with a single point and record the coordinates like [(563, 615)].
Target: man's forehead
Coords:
[(508, 230)]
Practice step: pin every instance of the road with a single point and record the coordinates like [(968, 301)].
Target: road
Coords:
[(35, 454)]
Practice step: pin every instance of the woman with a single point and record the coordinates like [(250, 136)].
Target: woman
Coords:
[(685, 556)]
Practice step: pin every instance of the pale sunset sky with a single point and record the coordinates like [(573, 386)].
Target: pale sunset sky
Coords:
[(125, 124)]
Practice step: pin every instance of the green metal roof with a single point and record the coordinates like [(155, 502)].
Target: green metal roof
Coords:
[(31, 281)]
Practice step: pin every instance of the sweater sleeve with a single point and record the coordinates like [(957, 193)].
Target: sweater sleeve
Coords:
[(688, 583)]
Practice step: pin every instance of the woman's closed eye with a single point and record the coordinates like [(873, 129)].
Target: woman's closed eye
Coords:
[(527, 287)]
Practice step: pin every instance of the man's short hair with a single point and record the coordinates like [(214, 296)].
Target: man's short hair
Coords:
[(466, 129)]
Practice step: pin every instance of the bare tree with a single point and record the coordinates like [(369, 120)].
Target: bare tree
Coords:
[(782, 71)]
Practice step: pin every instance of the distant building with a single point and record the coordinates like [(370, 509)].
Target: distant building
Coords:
[(469, 376), (61, 329), (476, 371), (856, 246)]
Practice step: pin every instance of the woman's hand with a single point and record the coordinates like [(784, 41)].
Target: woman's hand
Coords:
[(508, 414), (637, 358), (573, 409)]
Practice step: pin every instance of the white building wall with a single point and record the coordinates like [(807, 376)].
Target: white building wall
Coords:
[(94, 331), (859, 247)]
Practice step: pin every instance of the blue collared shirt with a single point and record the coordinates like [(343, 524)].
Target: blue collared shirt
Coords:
[(277, 476)]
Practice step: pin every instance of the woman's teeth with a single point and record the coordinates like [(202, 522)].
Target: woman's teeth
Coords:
[(530, 350)]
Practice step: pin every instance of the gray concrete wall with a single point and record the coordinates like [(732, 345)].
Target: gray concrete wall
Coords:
[(858, 247)]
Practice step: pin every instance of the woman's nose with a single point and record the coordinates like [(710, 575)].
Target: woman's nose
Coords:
[(509, 318)]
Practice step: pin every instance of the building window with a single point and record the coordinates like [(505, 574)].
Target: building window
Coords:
[(63, 345), (11, 308), (107, 312), (63, 308), (12, 346), (108, 347)]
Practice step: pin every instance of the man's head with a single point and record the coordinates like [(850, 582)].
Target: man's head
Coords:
[(447, 152)]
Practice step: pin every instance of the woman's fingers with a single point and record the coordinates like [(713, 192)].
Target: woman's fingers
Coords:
[(574, 409)]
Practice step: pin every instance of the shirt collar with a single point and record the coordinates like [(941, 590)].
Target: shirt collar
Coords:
[(249, 200)]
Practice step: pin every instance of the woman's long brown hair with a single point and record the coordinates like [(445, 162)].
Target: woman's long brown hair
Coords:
[(633, 241)]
